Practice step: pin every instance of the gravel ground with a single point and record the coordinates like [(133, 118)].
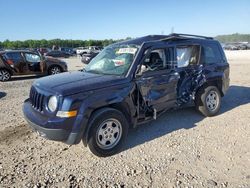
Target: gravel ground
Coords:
[(180, 149)]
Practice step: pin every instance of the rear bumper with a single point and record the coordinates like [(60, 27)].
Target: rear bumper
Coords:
[(56, 134)]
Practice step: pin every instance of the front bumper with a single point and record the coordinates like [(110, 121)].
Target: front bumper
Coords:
[(47, 129)]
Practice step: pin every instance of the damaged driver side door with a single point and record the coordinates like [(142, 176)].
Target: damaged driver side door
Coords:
[(157, 79)]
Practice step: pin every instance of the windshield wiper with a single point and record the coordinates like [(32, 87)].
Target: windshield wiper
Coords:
[(94, 71)]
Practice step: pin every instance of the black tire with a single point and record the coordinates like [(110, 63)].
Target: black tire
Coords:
[(4, 75), (203, 101), (54, 69), (97, 123)]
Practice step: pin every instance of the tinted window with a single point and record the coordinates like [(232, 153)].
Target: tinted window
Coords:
[(187, 55), (211, 54), (16, 56)]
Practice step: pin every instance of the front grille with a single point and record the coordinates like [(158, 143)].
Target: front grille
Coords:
[(36, 99)]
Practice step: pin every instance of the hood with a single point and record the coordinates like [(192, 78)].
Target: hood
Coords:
[(70, 83)]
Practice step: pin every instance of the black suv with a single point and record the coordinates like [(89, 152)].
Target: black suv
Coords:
[(127, 84), (23, 62)]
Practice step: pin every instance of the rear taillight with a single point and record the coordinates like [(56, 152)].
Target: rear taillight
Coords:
[(10, 62)]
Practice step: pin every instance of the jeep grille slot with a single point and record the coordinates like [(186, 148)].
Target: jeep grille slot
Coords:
[(36, 99)]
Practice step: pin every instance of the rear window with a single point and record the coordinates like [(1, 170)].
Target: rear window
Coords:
[(211, 53), (16, 56)]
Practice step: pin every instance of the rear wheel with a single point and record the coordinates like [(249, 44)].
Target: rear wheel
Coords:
[(208, 101), (55, 70), (108, 132), (4, 75)]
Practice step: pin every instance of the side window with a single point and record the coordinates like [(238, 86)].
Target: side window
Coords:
[(15, 56), (32, 58), (211, 54), (155, 61), (187, 55)]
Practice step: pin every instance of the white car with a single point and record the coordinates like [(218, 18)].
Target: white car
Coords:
[(88, 50)]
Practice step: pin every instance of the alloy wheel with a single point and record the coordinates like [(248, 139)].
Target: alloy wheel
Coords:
[(4, 75), (55, 70)]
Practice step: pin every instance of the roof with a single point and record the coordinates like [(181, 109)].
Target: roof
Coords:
[(173, 36), (140, 40), (11, 51)]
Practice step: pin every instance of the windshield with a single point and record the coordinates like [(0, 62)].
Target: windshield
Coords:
[(113, 60)]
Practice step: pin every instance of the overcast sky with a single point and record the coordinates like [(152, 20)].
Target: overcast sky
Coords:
[(105, 19)]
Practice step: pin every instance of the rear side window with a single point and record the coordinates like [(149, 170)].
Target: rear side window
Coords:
[(16, 56), (211, 54), (187, 55)]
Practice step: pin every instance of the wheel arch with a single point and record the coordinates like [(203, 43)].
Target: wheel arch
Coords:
[(122, 107), (217, 83)]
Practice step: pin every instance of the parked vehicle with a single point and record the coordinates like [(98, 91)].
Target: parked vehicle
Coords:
[(86, 58), (57, 54), (21, 62), (236, 46), (127, 84), (248, 46), (88, 50), (68, 50), (43, 51), (230, 47), (242, 46)]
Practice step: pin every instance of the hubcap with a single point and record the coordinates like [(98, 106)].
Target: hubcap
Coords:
[(4, 75), (109, 133), (212, 100), (55, 70)]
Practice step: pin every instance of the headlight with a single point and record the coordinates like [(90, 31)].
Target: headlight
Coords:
[(52, 104)]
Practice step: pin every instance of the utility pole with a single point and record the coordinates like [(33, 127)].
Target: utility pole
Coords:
[(172, 30)]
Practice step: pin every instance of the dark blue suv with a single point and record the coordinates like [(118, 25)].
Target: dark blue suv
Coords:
[(126, 84)]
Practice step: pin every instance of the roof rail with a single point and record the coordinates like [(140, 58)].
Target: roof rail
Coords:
[(189, 35), (184, 36)]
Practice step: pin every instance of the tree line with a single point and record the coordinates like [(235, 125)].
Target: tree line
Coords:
[(7, 44), (234, 38)]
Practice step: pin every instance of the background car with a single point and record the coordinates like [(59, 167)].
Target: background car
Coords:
[(86, 58), (21, 62), (230, 47), (68, 50), (242, 46), (88, 50), (57, 53), (43, 50)]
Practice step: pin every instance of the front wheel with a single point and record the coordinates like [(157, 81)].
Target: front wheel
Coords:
[(208, 101), (4, 75), (108, 132)]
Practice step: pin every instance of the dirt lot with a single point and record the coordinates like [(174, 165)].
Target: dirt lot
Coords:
[(180, 149)]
